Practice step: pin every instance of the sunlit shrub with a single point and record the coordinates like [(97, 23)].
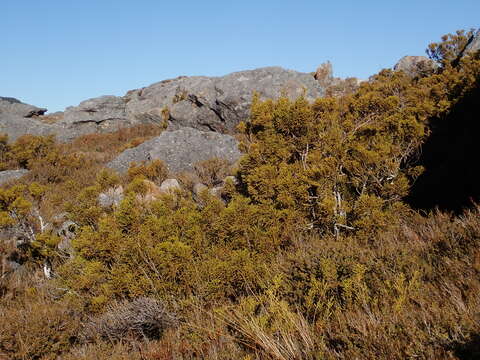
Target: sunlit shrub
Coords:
[(155, 171)]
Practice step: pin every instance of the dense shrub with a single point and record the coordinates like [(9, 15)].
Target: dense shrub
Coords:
[(28, 148), (155, 171)]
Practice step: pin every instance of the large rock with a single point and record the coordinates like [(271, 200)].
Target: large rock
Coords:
[(97, 110), (204, 103), (15, 126), (97, 115), (16, 107), (170, 186), (9, 175), (216, 103), (180, 149), (415, 65), (111, 197), (473, 43), (17, 119)]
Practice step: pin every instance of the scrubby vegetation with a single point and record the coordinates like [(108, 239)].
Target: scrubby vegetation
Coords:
[(318, 250)]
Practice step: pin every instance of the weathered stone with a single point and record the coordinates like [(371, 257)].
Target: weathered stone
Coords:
[(111, 197), (9, 175), (170, 186), (415, 65), (154, 192), (66, 231), (205, 103), (473, 43), (15, 126), (97, 115), (324, 74), (96, 110), (216, 191), (16, 107), (180, 150), (218, 103)]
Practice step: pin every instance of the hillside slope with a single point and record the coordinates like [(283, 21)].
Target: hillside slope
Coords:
[(312, 231)]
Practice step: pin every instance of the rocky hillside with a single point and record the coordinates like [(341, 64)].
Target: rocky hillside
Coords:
[(199, 112), (349, 229)]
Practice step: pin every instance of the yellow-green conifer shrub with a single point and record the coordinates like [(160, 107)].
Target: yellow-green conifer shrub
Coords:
[(28, 148), (5, 159), (346, 163), (84, 210), (451, 48), (107, 178), (317, 161), (155, 171), (172, 247)]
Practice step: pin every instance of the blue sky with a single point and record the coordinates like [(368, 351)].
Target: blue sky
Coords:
[(56, 53)]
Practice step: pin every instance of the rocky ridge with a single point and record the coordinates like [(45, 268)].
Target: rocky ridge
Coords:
[(204, 103)]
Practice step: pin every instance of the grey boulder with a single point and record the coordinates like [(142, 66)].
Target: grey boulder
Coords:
[(97, 110), (17, 119), (180, 150), (111, 197), (16, 107), (9, 175), (170, 186), (473, 43), (15, 126), (415, 65)]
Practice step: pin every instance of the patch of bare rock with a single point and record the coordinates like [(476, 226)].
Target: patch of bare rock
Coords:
[(180, 150)]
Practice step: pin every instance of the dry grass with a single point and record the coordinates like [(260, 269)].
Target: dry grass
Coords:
[(103, 147), (292, 340), (32, 326), (211, 172)]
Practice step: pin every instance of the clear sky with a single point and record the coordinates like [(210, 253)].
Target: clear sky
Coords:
[(56, 53)]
